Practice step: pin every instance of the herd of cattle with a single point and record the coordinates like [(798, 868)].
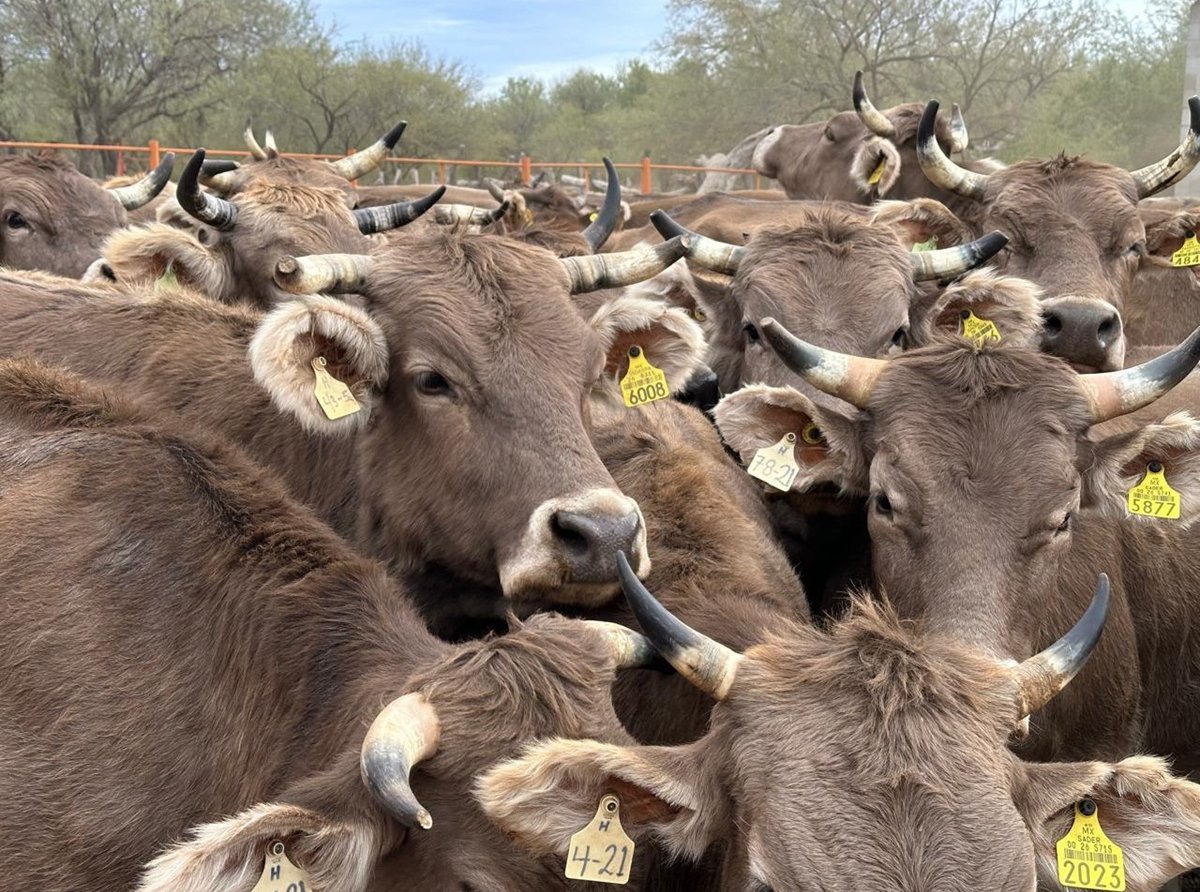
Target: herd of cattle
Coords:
[(329, 538)]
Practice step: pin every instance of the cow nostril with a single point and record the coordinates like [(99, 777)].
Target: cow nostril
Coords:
[(571, 531), (1109, 328), (1052, 323)]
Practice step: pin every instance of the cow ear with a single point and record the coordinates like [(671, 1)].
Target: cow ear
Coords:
[(828, 445), (230, 854), (313, 327), (1153, 816), (144, 255), (552, 791), (871, 154), (1119, 463), (1167, 229), (916, 222), (1009, 303), (669, 337)]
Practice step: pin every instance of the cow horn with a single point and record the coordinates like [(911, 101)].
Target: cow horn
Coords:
[(710, 253), (875, 120), (946, 263), (257, 152), (362, 163), (1112, 394), (393, 216), (449, 214), (630, 649), (850, 378), (591, 272), (959, 138), (214, 167), (402, 735), (708, 665), (269, 145), (137, 194), (936, 164), (602, 227), (494, 189), (205, 207), (323, 273), (1043, 675), (1161, 174)]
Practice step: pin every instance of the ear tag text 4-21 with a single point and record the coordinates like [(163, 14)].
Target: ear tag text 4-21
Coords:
[(1087, 859), (877, 173), (334, 396), (776, 464), (643, 383), (601, 852), (281, 875), (981, 331), (1154, 497), (1188, 253)]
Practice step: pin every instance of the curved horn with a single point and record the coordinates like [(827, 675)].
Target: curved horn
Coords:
[(1111, 394), (936, 164), (602, 227), (257, 152), (214, 167), (1161, 174), (393, 216), (959, 138), (269, 145), (875, 120), (710, 253), (946, 263), (850, 378), (1043, 675), (137, 194), (630, 649), (362, 163), (402, 735), (494, 189), (449, 214), (205, 207), (323, 273), (591, 272), (708, 665)]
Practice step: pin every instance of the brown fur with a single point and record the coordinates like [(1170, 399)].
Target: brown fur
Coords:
[(1164, 304)]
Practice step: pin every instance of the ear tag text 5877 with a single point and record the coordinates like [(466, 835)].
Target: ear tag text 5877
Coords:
[(1188, 253), (981, 331), (334, 396), (1087, 859), (877, 173), (1154, 497), (601, 852), (643, 383), (776, 464), (281, 875)]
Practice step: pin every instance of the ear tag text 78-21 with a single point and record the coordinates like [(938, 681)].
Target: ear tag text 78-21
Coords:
[(776, 464), (334, 396), (1087, 859), (1154, 497), (601, 852), (981, 331), (643, 383), (1188, 253), (281, 875)]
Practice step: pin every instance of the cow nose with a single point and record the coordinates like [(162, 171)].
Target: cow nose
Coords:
[(702, 390), (1085, 332), (588, 543)]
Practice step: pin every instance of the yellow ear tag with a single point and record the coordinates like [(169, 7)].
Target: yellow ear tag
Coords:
[(1188, 253), (698, 314), (1154, 497), (1087, 859), (776, 464), (643, 383), (592, 217), (168, 279), (335, 397), (930, 244), (877, 173), (601, 852), (281, 875), (981, 331)]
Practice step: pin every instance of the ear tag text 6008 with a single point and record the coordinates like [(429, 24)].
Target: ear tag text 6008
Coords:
[(281, 875), (643, 383), (601, 852), (1087, 859)]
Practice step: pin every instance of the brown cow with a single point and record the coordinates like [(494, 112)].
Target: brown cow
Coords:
[(1164, 303), (871, 756), (53, 218), (232, 673)]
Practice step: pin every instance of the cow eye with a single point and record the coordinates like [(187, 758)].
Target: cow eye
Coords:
[(829, 133), (433, 384), (883, 505), (1067, 522), (13, 220), (1137, 249), (900, 337), (751, 333)]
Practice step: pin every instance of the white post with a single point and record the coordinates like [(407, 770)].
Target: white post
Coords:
[(1189, 186)]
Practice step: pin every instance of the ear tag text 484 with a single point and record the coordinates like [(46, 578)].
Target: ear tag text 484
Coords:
[(1188, 253), (1154, 497), (281, 875), (877, 173), (776, 464), (334, 396), (601, 852), (1087, 859), (981, 331), (643, 383)]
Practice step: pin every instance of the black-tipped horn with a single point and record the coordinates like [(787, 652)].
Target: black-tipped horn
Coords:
[(591, 272), (214, 167), (362, 163), (710, 253), (1161, 174), (494, 189), (874, 120), (850, 378), (936, 164), (137, 194), (710, 666), (453, 214), (946, 263), (205, 207), (1112, 394), (602, 227), (393, 216), (1043, 675), (402, 735)]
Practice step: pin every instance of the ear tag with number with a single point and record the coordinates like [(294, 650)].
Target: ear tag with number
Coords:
[(776, 464), (1188, 253), (334, 396), (168, 279), (877, 173), (930, 244), (643, 383), (1087, 859), (1154, 497), (981, 331), (601, 852), (281, 875)]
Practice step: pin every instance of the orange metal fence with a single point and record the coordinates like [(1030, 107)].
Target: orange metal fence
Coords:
[(523, 168)]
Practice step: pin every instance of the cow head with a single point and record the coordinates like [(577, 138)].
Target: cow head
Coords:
[(1073, 229), (53, 218)]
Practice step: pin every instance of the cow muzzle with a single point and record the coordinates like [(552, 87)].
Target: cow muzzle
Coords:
[(1084, 331), (758, 159), (568, 553)]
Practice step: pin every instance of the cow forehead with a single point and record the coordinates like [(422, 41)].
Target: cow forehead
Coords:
[(55, 190), (1074, 188)]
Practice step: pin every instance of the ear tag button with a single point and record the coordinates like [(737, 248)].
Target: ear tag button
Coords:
[(281, 875), (1188, 253), (981, 331), (1087, 859), (1154, 497), (877, 173), (601, 852), (335, 397), (776, 465), (643, 383)]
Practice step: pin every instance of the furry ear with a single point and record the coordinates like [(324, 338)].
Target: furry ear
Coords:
[(295, 333), (670, 338), (871, 154), (1167, 227), (142, 255), (1011, 304), (921, 219)]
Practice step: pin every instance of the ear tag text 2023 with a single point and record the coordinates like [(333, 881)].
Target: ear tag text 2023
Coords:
[(1188, 253), (643, 383), (981, 331), (281, 875), (776, 464), (877, 173), (335, 398), (601, 852), (1087, 859), (1154, 497)]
